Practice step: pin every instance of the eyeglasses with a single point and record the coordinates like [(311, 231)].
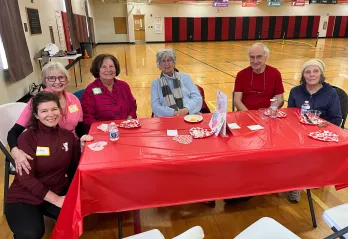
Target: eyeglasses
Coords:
[(264, 83), (163, 62), (53, 79)]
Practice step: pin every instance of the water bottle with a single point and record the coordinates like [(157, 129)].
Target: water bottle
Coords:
[(113, 132), (273, 108), (305, 107)]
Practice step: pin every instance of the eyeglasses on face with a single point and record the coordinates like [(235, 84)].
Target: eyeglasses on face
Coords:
[(53, 79)]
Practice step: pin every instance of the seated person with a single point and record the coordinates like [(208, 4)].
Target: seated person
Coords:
[(320, 95), (56, 154), (258, 83), (173, 93), (107, 98), (55, 78)]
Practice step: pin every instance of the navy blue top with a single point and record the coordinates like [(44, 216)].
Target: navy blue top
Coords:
[(325, 100)]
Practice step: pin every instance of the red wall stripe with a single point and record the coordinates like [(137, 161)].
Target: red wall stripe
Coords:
[(225, 28), (291, 27), (66, 31), (168, 29), (211, 28), (265, 26), (330, 26), (239, 26), (197, 29), (278, 27), (315, 26), (183, 28), (303, 30), (252, 27), (343, 26)]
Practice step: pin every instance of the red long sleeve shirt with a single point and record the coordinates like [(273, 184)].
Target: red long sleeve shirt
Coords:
[(56, 154)]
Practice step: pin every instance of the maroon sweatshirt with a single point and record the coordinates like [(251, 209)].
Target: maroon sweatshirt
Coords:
[(56, 154)]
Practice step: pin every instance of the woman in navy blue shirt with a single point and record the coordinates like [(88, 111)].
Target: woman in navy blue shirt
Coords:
[(320, 95)]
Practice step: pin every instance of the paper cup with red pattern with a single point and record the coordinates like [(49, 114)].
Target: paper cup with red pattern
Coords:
[(324, 135), (199, 133)]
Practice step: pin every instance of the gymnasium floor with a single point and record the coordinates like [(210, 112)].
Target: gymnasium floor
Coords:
[(214, 65)]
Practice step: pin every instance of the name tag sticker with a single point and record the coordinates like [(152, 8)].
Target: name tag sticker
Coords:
[(73, 108), (42, 151), (97, 91)]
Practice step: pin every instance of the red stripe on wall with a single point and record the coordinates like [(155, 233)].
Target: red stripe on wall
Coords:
[(343, 26), (265, 26), (239, 28), (252, 27), (278, 27), (291, 27), (303, 30), (183, 28), (168, 29), (316, 26), (66, 31), (211, 28), (197, 29), (330, 26), (225, 28)]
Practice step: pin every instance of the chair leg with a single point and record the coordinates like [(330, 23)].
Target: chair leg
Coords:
[(119, 221), (6, 183), (137, 222), (310, 201)]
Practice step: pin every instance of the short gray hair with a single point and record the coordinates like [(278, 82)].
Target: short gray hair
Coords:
[(265, 48), (53, 66), (163, 53)]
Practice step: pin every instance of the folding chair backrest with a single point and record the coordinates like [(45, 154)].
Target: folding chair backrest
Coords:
[(342, 95), (9, 113)]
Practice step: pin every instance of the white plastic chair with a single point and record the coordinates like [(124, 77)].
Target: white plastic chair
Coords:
[(193, 233), (266, 228), (337, 218), (9, 113), (152, 234)]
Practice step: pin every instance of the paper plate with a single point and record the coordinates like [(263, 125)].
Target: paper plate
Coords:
[(324, 135), (199, 133), (193, 118), (128, 124)]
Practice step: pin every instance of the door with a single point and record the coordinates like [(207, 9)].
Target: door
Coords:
[(139, 28)]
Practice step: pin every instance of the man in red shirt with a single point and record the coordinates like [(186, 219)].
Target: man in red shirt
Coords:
[(258, 83)]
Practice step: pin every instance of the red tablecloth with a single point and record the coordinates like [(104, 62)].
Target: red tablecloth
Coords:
[(147, 169)]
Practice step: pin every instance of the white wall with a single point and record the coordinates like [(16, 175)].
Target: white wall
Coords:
[(202, 10), (10, 92), (104, 22)]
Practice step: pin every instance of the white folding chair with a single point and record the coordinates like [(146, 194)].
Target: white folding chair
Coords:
[(9, 113), (337, 218), (192, 233), (266, 228), (152, 234)]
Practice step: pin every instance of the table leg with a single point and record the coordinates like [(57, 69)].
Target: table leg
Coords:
[(119, 222), (310, 201), (80, 69), (137, 222), (75, 76)]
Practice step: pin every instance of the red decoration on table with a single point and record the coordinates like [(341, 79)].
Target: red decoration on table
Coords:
[(132, 123), (183, 139), (199, 133), (324, 135)]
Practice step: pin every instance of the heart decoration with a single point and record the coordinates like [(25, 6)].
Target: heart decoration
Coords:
[(183, 139), (324, 135)]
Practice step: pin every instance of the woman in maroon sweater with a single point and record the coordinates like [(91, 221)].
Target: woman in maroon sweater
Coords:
[(56, 154)]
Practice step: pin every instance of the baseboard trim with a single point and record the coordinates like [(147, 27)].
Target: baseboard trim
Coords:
[(108, 43)]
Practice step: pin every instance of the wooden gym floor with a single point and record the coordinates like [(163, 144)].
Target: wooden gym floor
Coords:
[(214, 65)]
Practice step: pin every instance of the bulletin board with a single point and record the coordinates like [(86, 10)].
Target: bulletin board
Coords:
[(120, 24)]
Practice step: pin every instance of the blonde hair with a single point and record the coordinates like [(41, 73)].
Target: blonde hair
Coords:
[(53, 66)]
